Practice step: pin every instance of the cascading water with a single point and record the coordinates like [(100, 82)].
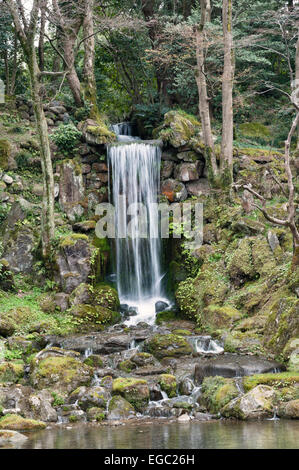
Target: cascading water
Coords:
[(134, 170)]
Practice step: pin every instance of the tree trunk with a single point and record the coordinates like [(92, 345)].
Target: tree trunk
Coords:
[(297, 83), (203, 97), (90, 88), (48, 226), (26, 36), (41, 43), (226, 163)]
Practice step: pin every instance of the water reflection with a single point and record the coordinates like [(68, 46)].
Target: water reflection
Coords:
[(206, 435)]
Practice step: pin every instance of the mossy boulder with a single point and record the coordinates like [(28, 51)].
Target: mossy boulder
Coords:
[(96, 132), (165, 316), (60, 374), (168, 346), (94, 397), (291, 354), (119, 408), (289, 409), (127, 365), (90, 317), (168, 384), (96, 414), (6, 276), (18, 423), (282, 310), (239, 263), (5, 153), (135, 391), (11, 372), (105, 296), (256, 404), (217, 392), (142, 359), (178, 128), (94, 360), (215, 317)]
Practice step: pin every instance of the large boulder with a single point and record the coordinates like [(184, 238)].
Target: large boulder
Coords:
[(169, 345), (216, 392), (256, 404), (289, 409), (11, 372), (71, 189), (93, 317), (178, 129), (96, 132), (59, 373), (119, 408), (186, 172), (18, 423), (135, 391), (174, 190), (73, 262)]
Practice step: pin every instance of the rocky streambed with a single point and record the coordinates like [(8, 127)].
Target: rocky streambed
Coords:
[(139, 373)]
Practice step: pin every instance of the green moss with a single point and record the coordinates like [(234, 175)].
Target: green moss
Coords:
[(216, 317), (168, 384), (127, 366), (87, 317), (182, 332), (5, 151), (282, 379), (11, 372), (217, 392), (255, 129), (168, 346), (17, 423), (165, 316), (135, 391), (70, 240)]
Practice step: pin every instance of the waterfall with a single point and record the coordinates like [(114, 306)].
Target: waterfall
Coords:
[(134, 174)]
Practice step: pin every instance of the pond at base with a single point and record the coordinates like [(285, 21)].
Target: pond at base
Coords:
[(282, 434)]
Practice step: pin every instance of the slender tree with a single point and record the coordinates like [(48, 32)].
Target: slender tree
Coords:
[(226, 161), (26, 32)]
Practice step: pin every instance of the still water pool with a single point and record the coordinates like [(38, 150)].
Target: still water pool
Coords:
[(280, 434)]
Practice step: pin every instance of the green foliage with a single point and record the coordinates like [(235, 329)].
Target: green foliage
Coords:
[(66, 137)]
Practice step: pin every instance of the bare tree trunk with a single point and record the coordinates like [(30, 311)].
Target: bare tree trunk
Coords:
[(203, 96), (226, 163)]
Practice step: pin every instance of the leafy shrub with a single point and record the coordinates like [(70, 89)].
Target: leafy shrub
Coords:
[(23, 159), (66, 137)]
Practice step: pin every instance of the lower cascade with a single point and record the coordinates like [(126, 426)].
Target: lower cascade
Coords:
[(134, 182)]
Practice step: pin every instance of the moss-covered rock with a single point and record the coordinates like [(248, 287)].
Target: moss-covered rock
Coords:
[(61, 374), (282, 379), (256, 404), (11, 372), (239, 264), (5, 153), (105, 296), (215, 317), (135, 391), (90, 317), (127, 365), (289, 409), (96, 414), (119, 408), (282, 310), (168, 384), (178, 128), (96, 132), (217, 392), (17, 423), (168, 346), (94, 397), (166, 316), (94, 360)]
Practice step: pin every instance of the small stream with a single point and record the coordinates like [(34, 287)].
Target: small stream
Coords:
[(282, 434)]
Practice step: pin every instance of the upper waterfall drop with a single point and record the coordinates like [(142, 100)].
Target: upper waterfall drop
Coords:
[(134, 180)]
